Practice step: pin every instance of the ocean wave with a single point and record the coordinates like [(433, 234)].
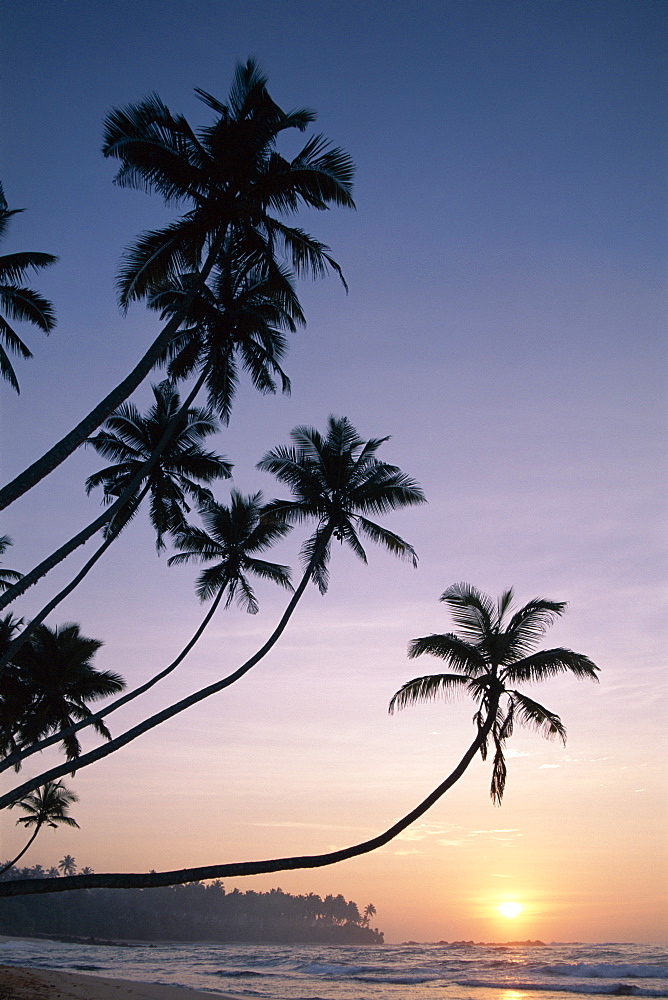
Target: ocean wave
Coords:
[(591, 989), (609, 970), (239, 973)]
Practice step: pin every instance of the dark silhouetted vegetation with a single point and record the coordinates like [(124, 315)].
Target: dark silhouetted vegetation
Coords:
[(194, 912)]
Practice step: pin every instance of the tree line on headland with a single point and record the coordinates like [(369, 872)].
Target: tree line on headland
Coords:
[(193, 912)]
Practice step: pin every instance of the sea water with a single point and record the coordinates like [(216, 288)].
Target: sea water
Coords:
[(386, 972)]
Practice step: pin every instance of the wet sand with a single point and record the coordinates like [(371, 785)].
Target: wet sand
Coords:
[(17, 983)]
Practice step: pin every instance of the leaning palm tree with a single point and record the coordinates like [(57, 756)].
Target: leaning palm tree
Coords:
[(169, 482), (236, 190), (17, 302), (47, 806), (239, 321), (491, 654), (337, 481), (485, 651), (7, 576), (49, 685), (232, 537), (129, 439)]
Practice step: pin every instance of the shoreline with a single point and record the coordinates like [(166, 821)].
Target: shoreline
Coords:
[(20, 983)]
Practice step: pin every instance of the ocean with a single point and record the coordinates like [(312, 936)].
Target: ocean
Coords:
[(386, 972)]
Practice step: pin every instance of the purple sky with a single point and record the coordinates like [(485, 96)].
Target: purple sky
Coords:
[(507, 283)]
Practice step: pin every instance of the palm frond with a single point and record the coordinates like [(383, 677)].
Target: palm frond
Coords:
[(549, 663), (427, 688), (534, 716), (457, 652)]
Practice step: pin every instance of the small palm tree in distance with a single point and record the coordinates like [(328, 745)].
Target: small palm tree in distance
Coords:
[(46, 806), (490, 655), (67, 865)]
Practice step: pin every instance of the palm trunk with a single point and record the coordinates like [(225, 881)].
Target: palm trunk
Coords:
[(19, 755), (19, 856), (76, 437), (20, 641), (82, 537), (242, 868), (155, 720)]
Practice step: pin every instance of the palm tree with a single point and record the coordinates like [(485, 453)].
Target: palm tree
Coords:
[(369, 912), (492, 652), (67, 865), (485, 641), (17, 302), (336, 480), (235, 187), (234, 536), (130, 439), (49, 685), (7, 576), (242, 316), (47, 806), (230, 536)]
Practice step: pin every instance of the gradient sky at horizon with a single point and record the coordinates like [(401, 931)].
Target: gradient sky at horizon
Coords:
[(506, 266)]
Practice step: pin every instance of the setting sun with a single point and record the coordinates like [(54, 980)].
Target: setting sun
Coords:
[(510, 909)]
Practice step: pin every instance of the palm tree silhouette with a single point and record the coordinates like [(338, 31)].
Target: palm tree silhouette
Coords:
[(67, 865), (235, 535), (17, 302), (7, 576), (48, 686), (492, 652), (235, 186), (505, 644), (129, 439), (241, 317), (47, 806), (230, 536), (175, 476), (336, 480), (369, 912)]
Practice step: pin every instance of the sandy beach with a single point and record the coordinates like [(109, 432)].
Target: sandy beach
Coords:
[(17, 983)]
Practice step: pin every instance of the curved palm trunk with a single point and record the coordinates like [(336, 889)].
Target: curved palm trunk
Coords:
[(21, 639), (18, 756), (19, 856), (238, 869), (76, 437), (155, 720), (82, 537)]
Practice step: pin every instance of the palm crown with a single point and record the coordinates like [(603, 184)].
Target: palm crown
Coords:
[(230, 175), (49, 686), (231, 536), (337, 480), (7, 576), (130, 439), (492, 653), (17, 302), (241, 316)]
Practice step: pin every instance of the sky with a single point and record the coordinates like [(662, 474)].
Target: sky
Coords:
[(503, 325)]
